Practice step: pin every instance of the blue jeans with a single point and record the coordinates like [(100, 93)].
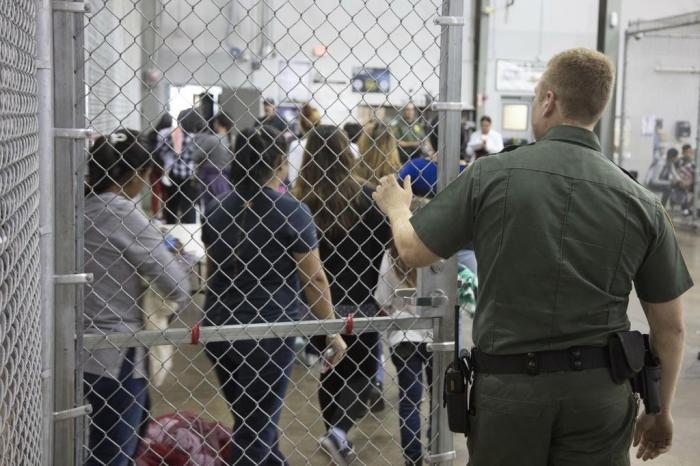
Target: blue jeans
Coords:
[(409, 359), (254, 377), (117, 413)]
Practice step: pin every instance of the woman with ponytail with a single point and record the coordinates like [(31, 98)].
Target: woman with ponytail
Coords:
[(262, 248), (122, 248)]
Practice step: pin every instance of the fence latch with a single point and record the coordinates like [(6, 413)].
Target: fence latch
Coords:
[(72, 133), (72, 413), (449, 20), (408, 297), (73, 279), (450, 106), (71, 7)]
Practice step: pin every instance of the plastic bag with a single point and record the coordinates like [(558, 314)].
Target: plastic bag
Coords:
[(184, 439)]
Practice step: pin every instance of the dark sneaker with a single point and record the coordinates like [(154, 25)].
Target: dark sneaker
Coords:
[(375, 398), (341, 456)]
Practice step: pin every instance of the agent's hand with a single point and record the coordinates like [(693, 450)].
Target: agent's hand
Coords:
[(338, 348), (390, 197), (653, 434)]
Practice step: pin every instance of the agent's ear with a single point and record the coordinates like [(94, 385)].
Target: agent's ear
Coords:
[(549, 104)]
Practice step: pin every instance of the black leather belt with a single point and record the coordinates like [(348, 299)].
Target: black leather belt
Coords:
[(573, 359)]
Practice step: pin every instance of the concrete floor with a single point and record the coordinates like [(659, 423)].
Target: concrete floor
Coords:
[(192, 386)]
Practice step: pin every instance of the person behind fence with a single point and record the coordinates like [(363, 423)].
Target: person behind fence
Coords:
[(667, 179), (185, 189), (686, 172), (409, 353), (210, 156), (270, 117), (223, 127), (309, 117), (485, 140), (353, 235), (409, 132), (353, 130), (561, 235), (154, 141), (379, 154), (261, 246), (122, 249)]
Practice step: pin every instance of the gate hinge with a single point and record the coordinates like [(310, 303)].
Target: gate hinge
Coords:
[(72, 413), (449, 20), (71, 7), (73, 279), (72, 133), (442, 457)]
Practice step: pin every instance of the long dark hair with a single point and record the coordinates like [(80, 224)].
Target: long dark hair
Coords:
[(326, 183), (115, 159), (256, 155)]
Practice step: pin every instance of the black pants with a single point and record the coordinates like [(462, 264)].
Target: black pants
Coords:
[(180, 201), (341, 394), (254, 377)]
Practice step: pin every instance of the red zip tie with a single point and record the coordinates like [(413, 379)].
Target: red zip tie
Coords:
[(349, 324), (195, 333)]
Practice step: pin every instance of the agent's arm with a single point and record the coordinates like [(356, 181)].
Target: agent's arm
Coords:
[(654, 434)]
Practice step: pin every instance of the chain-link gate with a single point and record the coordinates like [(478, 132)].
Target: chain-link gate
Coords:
[(235, 248), (20, 307)]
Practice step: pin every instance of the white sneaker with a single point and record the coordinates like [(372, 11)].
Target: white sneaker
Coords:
[(340, 456)]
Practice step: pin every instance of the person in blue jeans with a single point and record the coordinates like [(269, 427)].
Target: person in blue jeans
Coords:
[(262, 247), (122, 248), (408, 354)]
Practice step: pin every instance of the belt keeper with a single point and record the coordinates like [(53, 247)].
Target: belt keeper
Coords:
[(532, 368), (349, 324), (195, 333)]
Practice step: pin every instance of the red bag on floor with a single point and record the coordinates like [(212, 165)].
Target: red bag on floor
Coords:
[(184, 439)]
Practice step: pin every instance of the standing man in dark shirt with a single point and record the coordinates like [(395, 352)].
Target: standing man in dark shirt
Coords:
[(561, 236), (270, 116)]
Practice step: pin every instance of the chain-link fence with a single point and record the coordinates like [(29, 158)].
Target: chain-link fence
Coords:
[(234, 243), (660, 131), (20, 311)]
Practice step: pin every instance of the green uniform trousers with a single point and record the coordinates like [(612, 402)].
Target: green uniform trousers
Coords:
[(557, 419)]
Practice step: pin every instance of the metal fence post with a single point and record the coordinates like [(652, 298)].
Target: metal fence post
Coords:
[(69, 95), (443, 276), (46, 219)]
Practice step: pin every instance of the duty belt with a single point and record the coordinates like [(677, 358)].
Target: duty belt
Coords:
[(573, 359)]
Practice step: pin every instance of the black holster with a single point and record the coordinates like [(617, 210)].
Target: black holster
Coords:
[(458, 377), (632, 359)]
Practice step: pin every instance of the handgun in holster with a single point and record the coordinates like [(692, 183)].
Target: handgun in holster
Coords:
[(456, 385), (632, 359)]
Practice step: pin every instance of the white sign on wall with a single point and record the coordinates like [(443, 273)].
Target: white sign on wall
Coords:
[(518, 76)]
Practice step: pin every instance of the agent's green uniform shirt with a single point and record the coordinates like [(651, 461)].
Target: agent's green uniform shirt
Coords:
[(560, 234)]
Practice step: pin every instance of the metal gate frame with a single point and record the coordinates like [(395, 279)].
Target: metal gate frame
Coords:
[(437, 284)]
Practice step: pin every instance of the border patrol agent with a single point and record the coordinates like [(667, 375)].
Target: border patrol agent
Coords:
[(561, 235)]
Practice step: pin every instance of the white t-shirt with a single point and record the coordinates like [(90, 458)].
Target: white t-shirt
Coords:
[(384, 295), (494, 142), (295, 159)]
